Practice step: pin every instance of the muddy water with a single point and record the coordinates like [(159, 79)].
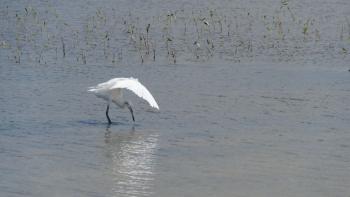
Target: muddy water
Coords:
[(225, 128)]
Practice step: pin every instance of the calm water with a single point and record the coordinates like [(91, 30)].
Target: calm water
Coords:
[(243, 124)]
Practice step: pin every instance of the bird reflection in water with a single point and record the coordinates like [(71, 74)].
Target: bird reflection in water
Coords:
[(133, 161)]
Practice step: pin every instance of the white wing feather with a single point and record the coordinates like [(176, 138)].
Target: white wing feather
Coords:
[(105, 86), (135, 86)]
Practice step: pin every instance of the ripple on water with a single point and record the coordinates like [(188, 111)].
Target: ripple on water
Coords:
[(132, 157)]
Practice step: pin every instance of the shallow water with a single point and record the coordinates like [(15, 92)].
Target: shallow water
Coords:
[(254, 127)]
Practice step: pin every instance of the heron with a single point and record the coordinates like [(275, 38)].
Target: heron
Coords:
[(112, 91)]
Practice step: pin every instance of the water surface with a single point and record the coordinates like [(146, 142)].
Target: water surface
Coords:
[(230, 125)]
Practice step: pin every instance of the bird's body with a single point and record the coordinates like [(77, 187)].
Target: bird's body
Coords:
[(112, 91)]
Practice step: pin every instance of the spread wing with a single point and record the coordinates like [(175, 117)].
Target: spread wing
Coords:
[(135, 86)]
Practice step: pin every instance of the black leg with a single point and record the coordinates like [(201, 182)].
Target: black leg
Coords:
[(109, 120), (132, 113)]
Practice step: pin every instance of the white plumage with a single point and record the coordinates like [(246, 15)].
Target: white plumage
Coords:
[(111, 91)]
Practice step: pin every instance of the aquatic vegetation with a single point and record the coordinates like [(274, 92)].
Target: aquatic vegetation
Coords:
[(176, 35)]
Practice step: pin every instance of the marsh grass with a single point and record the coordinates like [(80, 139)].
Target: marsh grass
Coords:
[(177, 35)]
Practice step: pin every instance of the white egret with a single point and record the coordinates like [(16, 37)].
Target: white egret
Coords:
[(196, 43), (111, 91), (206, 22)]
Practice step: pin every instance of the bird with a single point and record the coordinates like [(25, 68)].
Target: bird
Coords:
[(206, 22), (197, 44), (112, 92)]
